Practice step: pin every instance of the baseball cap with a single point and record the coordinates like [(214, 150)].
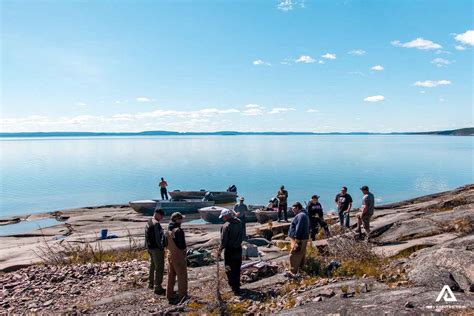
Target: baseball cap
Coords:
[(226, 212), (176, 215)]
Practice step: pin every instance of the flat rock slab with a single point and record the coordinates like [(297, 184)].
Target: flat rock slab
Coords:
[(397, 247)]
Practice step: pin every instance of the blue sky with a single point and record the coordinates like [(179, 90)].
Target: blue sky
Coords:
[(236, 65)]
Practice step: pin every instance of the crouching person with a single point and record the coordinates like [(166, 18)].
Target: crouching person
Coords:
[(231, 243), (155, 243), (299, 235), (177, 267)]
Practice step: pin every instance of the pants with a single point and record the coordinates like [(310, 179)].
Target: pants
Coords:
[(314, 224), (365, 219), (157, 267), (177, 268), (244, 229), (297, 258), (344, 219), (232, 262), (283, 208), (164, 193)]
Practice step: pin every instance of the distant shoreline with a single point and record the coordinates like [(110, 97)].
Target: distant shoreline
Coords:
[(457, 132)]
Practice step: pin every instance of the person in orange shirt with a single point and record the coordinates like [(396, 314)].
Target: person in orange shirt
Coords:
[(163, 190)]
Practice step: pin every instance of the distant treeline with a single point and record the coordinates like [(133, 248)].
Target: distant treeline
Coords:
[(457, 132)]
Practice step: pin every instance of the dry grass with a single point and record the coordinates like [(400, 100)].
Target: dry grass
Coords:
[(66, 253)]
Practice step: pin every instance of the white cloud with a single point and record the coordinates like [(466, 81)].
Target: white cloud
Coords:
[(285, 5), (254, 106), (357, 52), (329, 56), (444, 52), (419, 43), (305, 59), (375, 98), (288, 5), (440, 62), (143, 99), (441, 99), (377, 68), (312, 111), (281, 110), (260, 62), (81, 103), (253, 112), (320, 61), (466, 38), (460, 47), (432, 83), (422, 91)]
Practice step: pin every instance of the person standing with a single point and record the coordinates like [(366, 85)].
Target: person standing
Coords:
[(155, 243), (163, 189), (231, 243), (299, 235), (177, 266), (344, 204), (316, 217), (282, 197), (366, 212), (241, 210)]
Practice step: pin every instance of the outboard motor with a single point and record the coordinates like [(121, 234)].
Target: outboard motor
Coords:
[(208, 197), (232, 188)]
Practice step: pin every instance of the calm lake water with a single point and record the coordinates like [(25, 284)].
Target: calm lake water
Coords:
[(45, 174)]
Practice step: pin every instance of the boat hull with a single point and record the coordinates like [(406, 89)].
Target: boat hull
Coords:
[(147, 207), (217, 196), (211, 214)]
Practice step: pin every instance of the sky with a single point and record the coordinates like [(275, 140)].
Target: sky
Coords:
[(241, 65)]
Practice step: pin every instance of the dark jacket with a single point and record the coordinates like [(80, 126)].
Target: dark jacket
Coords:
[(315, 210), (242, 209), (154, 235), (178, 238), (282, 197), (299, 227), (231, 234)]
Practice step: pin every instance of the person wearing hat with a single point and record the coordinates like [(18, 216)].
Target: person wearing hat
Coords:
[(155, 243), (177, 266), (316, 217), (241, 210), (231, 243), (366, 212), (299, 235)]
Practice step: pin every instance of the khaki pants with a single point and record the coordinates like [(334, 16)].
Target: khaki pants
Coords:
[(297, 259), (157, 267), (177, 268)]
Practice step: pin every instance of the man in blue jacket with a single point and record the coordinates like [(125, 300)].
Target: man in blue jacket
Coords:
[(299, 235)]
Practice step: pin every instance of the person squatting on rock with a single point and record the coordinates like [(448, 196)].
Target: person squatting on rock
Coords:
[(177, 266), (344, 204), (299, 235), (366, 212), (282, 196), (231, 243), (155, 243), (241, 210), (316, 217)]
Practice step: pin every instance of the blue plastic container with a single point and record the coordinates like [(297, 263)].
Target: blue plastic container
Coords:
[(103, 234)]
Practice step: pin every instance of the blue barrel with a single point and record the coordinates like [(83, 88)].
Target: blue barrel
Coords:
[(103, 234)]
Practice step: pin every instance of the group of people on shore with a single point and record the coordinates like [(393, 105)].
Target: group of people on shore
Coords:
[(304, 225)]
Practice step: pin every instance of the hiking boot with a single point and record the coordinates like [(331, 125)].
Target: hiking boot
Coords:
[(159, 291)]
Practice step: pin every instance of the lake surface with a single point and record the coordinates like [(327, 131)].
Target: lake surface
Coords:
[(46, 174)]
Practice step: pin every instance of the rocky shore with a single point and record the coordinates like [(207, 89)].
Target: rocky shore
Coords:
[(419, 246)]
